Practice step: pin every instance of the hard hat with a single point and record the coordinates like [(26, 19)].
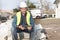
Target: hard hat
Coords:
[(23, 4)]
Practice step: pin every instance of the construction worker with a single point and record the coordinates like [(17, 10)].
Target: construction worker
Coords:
[(23, 21)]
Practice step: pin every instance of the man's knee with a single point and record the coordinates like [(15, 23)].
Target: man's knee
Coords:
[(13, 30)]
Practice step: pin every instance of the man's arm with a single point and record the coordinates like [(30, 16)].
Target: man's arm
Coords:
[(31, 21), (14, 22)]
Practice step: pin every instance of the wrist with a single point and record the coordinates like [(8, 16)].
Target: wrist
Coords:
[(17, 25), (29, 26)]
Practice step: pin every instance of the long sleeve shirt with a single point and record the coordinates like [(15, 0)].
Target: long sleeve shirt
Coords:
[(22, 22)]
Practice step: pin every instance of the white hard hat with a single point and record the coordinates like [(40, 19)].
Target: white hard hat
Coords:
[(23, 4)]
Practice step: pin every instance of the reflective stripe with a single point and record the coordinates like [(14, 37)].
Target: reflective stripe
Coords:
[(19, 18), (28, 18)]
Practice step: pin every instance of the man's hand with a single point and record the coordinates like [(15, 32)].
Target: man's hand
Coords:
[(21, 27), (29, 28)]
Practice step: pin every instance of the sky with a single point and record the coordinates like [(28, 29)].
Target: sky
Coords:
[(38, 1), (10, 4)]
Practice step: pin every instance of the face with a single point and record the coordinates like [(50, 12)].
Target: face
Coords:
[(23, 10)]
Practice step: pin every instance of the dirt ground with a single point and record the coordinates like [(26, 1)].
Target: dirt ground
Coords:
[(52, 27), (53, 32)]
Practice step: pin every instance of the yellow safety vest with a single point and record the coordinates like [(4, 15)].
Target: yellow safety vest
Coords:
[(27, 18)]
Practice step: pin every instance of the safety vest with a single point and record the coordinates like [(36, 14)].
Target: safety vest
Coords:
[(27, 18)]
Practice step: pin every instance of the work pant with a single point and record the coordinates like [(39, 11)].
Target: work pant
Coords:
[(16, 30)]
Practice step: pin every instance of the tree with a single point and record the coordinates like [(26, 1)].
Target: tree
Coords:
[(46, 4), (32, 5), (57, 1)]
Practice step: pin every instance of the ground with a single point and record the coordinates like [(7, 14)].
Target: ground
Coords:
[(52, 27)]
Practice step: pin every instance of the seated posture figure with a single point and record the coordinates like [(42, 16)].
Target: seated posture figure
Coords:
[(23, 22)]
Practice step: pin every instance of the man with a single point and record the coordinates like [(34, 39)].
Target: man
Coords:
[(23, 21)]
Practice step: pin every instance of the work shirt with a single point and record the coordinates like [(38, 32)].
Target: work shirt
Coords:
[(23, 19)]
